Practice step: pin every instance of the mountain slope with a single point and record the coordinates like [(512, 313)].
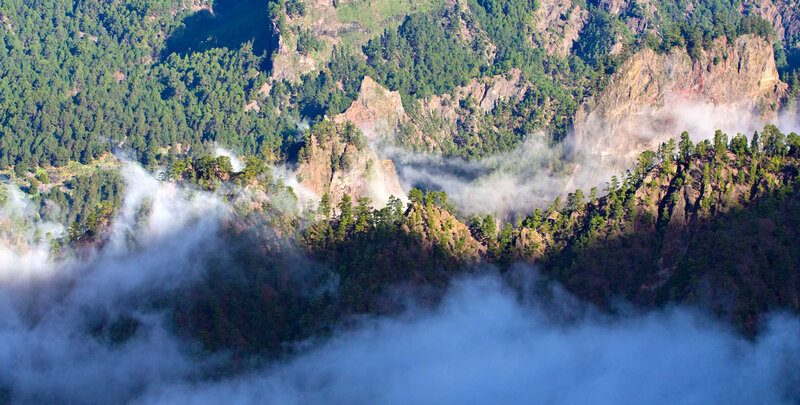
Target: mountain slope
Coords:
[(654, 95)]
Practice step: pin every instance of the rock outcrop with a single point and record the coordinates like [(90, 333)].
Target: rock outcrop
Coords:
[(320, 18), (288, 64), (439, 229), (783, 14), (380, 115), (484, 92), (641, 15), (337, 160), (654, 97), (559, 24), (434, 123), (334, 23), (377, 112)]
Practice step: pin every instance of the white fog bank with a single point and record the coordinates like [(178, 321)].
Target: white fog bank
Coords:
[(481, 346), (535, 173), (61, 320)]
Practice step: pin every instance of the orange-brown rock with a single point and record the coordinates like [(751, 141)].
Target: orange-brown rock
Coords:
[(337, 160), (653, 97), (377, 112)]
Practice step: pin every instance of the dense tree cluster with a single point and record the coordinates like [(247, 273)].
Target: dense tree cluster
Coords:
[(601, 247), (557, 83), (79, 79), (424, 56), (84, 204)]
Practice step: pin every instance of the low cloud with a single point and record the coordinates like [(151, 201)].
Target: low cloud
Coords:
[(535, 173), (482, 346), (514, 182), (621, 138), (236, 163), (89, 332), (24, 249), (305, 196), (64, 319)]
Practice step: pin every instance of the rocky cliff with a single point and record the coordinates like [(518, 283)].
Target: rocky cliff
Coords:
[(377, 112), (655, 96), (783, 14), (337, 160), (380, 115), (559, 24), (712, 224), (342, 24)]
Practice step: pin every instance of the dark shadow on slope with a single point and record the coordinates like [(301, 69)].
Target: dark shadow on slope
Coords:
[(261, 298), (233, 23), (262, 293), (740, 264)]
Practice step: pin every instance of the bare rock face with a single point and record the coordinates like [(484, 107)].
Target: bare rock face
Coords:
[(337, 160), (380, 115), (320, 18), (485, 93), (654, 97), (559, 23), (377, 112), (783, 14), (640, 13), (289, 65)]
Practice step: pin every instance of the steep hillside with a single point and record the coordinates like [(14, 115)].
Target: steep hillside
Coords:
[(377, 112), (783, 14), (475, 78), (713, 225), (559, 24), (337, 160), (449, 123), (311, 29), (438, 230), (653, 95), (198, 202), (439, 124)]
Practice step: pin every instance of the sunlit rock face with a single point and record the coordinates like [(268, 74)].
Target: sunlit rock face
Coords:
[(654, 97), (377, 112), (337, 160)]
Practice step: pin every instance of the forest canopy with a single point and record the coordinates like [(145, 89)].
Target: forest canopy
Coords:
[(167, 78)]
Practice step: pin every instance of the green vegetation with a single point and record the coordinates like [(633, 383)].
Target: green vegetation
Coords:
[(83, 82), (720, 216), (165, 82), (714, 223), (719, 212), (233, 23), (85, 204), (373, 16), (632, 243), (424, 56)]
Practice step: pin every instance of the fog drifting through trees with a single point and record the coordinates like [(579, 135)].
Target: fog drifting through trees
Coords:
[(84, 330)]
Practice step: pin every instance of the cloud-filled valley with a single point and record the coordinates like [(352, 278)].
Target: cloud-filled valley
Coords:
[(89, 329), (536, 173), (399, 202), (482, 346)]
